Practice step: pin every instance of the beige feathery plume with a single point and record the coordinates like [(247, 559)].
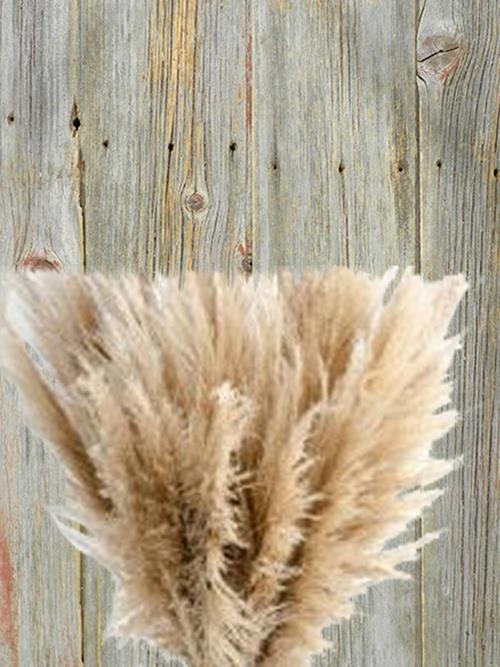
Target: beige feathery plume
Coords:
[(239, 454)]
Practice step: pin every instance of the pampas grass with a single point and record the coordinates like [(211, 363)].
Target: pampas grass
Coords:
[(238, 454)]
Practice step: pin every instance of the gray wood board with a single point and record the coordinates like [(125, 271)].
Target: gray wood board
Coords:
[(165, 171), (335, 184), (40, 622), (458, 140)]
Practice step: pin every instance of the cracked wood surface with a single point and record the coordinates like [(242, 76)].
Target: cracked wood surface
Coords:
[(160, 137)]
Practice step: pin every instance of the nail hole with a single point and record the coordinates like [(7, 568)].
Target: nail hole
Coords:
[(275, 166), (105, 143), (75, 118), (247, 264), (10, 118), (171, 147), (400, 168), (341, 168), (439, 164), (232, 147), (495, 172)]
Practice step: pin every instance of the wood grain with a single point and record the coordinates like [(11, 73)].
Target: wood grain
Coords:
[(110, 48), (164, 137), (165, 171), (168, 136), (458, 84), (335, 183), (39, 229)]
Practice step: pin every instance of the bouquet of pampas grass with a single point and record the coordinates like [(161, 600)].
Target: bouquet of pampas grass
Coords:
[(238, 455)]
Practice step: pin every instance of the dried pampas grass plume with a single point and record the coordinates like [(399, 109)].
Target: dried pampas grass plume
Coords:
[(239, 455)]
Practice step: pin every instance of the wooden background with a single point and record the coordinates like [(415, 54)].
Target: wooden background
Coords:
[(244, 135)]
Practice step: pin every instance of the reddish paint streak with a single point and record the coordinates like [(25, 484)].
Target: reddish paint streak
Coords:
[(449, 70), (249, 82), (439, 70), (38, 262), (8, 625)]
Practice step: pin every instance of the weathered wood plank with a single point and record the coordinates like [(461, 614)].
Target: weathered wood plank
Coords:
[(458, 86), (335, 183), (300, 207), (165, 166), (111, 106), (110, 113), (163, 104), (39, 228)]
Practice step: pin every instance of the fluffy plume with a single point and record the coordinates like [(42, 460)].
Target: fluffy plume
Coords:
[(238, 454)]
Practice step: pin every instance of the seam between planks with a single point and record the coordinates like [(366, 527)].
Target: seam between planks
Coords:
[(419, 243)]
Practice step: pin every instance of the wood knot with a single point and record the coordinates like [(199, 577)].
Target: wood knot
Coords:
[(439, 56), (246, 258), (38, 262), (195, 201)]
